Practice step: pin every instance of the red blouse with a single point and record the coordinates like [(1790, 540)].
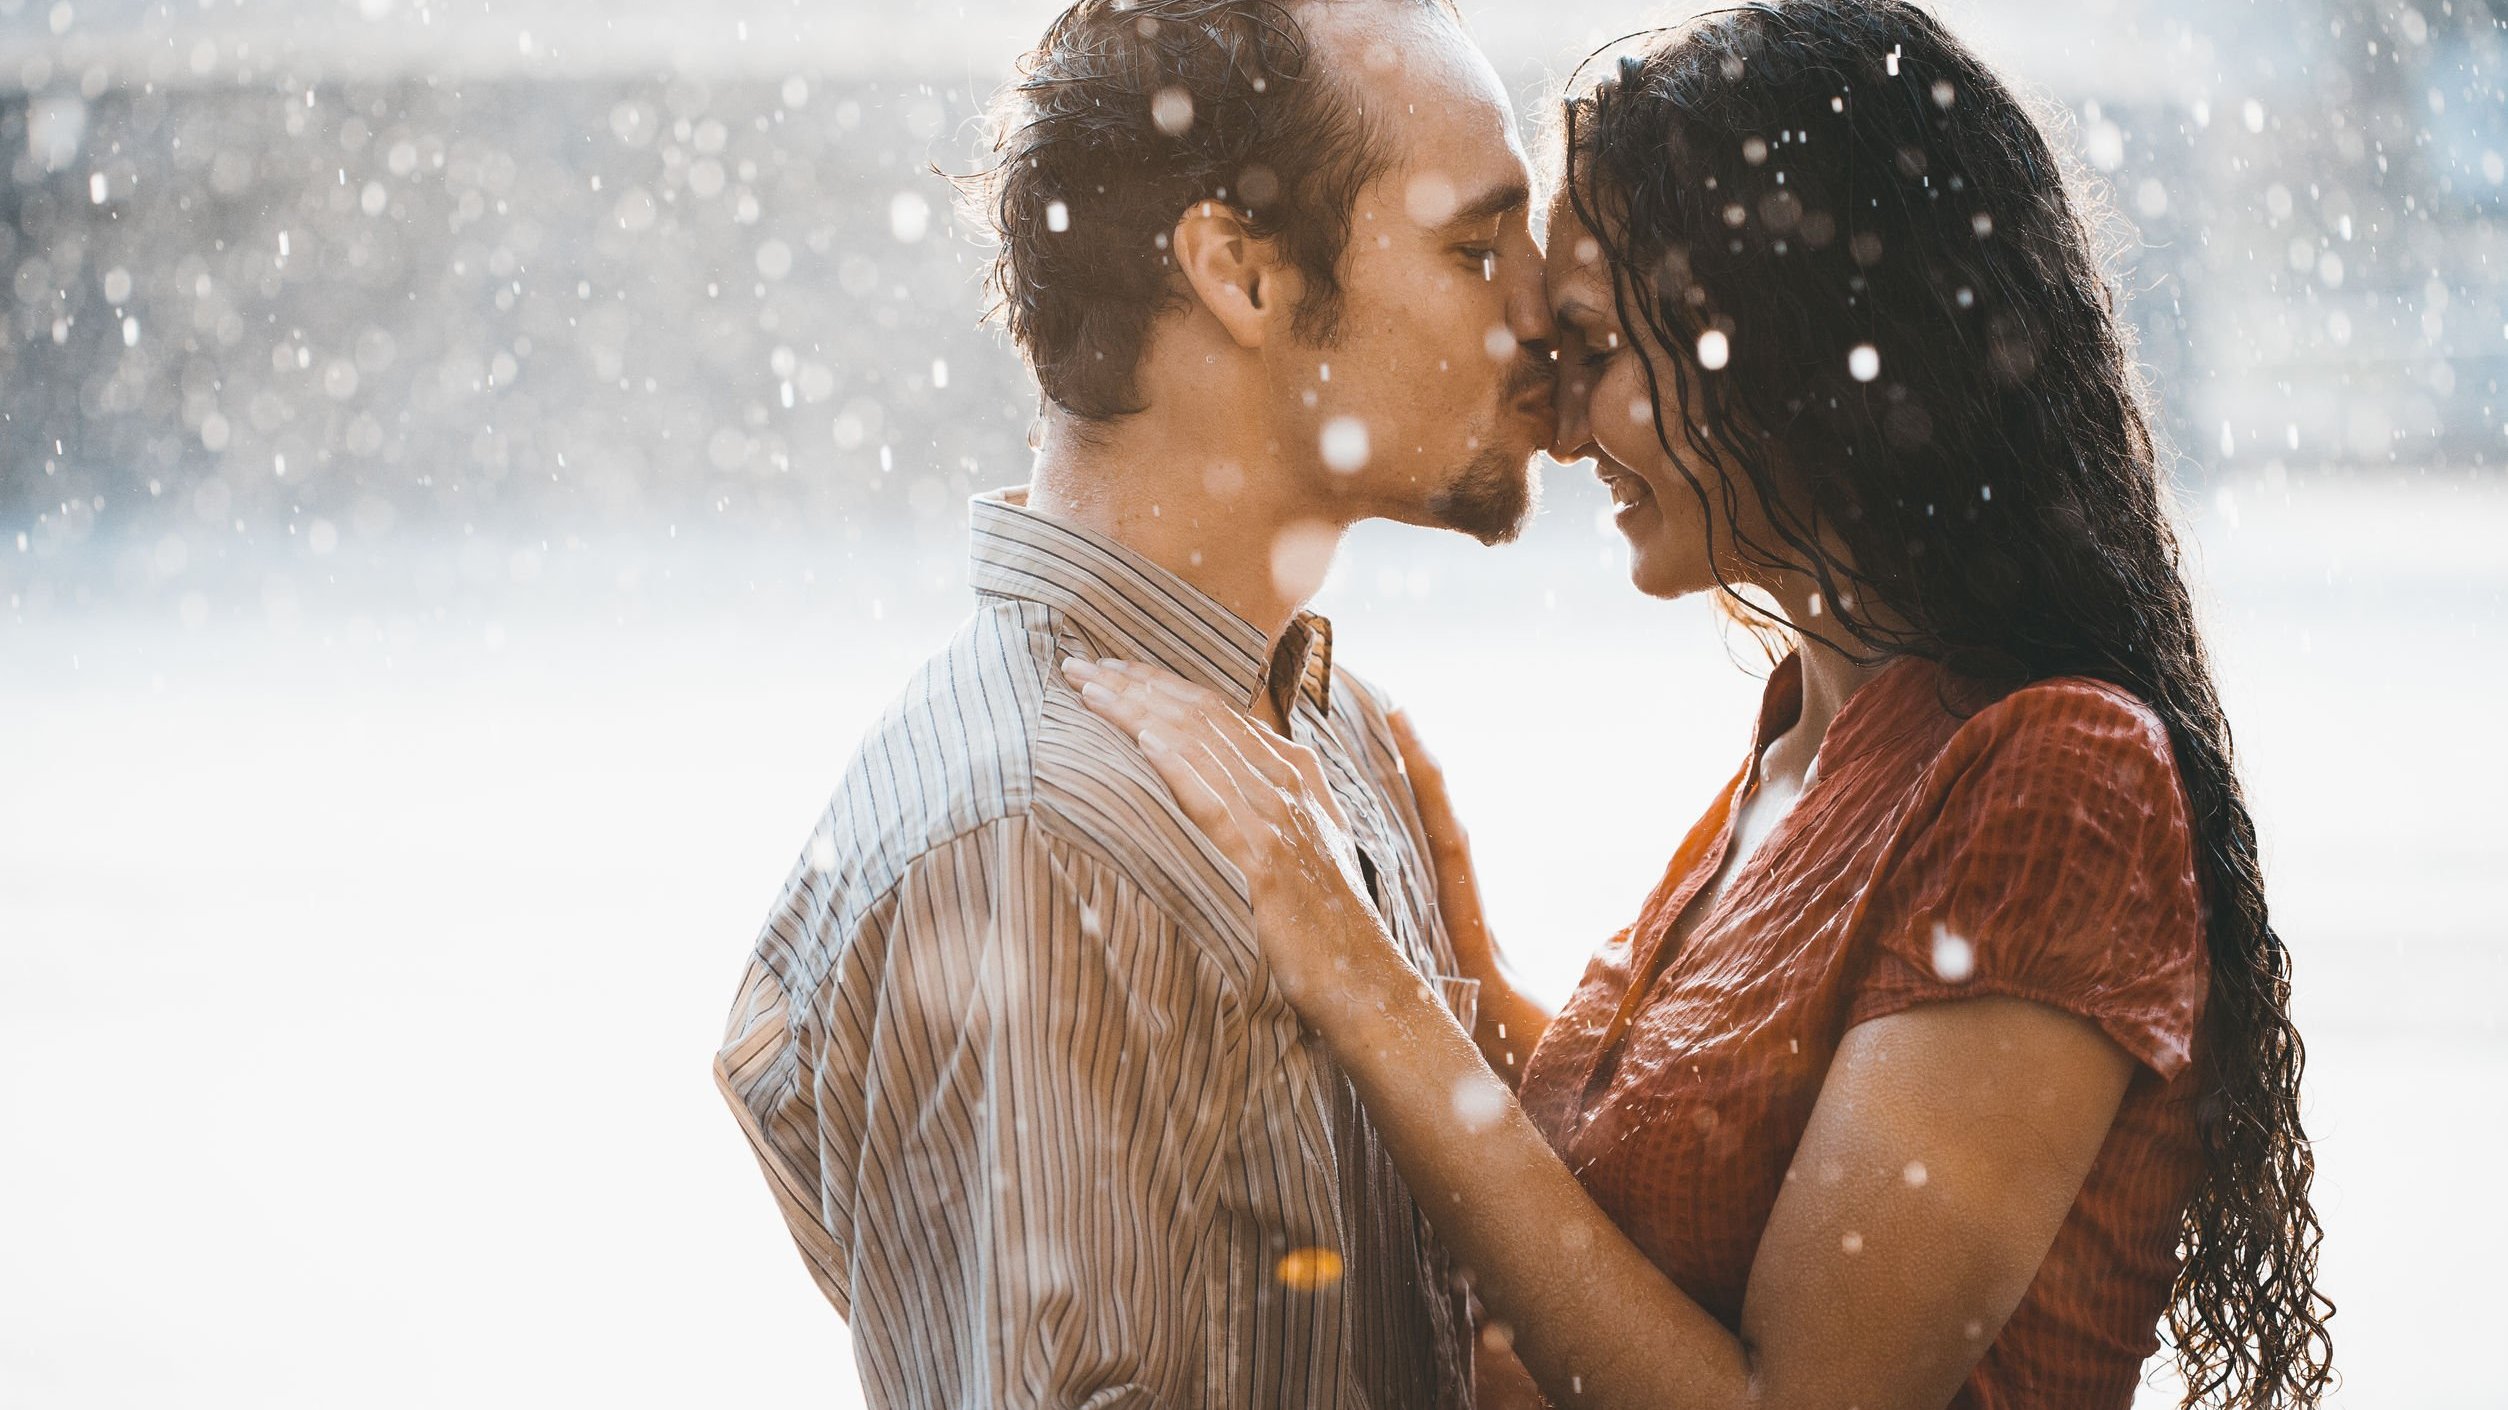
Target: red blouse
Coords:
[(1952, 844)]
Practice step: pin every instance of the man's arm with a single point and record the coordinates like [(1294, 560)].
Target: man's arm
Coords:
[(1016, 1088)]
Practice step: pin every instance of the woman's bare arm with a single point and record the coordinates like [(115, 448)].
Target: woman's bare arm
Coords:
[(1946, 1147)]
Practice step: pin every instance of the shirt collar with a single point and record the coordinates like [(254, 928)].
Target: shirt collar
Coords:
[(1119, 596)]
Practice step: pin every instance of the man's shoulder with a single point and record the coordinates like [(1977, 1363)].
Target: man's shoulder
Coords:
[(986, 735), (954, 748)]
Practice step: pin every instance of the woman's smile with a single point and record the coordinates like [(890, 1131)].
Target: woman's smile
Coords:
[(1631, 496)]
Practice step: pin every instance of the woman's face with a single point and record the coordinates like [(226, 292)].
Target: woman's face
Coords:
[(1605, 415)]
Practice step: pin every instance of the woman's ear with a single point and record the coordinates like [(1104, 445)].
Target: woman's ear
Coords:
[(1236, 275)]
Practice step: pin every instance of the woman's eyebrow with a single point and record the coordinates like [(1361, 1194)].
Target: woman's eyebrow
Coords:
[(1574, 310)]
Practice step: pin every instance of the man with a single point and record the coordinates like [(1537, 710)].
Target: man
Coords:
[(1042, 1128)]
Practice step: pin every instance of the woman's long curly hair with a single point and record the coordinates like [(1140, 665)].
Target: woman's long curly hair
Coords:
[(1922, 366)]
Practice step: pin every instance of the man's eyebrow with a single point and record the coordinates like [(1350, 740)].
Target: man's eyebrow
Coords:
[(1498, 200)]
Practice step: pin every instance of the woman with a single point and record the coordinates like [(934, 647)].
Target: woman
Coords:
[(1953, 1051)]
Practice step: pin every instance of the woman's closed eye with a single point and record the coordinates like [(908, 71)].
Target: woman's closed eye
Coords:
[(1589, 348)]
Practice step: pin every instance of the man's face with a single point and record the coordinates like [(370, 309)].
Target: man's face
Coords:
[(1431, 402)]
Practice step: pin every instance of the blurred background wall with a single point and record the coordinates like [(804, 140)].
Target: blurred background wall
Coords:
[(371, 263), (469, 471)]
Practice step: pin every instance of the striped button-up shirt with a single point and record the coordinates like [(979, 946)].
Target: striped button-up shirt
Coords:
[(1043, 1127)]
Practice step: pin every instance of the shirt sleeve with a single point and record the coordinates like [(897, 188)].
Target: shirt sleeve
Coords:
[(2051, 860), (1020, 1082)]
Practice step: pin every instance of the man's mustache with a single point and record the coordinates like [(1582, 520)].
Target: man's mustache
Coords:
[(1531, 372)]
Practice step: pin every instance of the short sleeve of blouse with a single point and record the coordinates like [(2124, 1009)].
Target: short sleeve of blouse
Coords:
[(2050, 858)]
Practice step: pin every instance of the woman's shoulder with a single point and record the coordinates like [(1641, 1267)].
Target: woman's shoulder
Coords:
[(2074, 727), (2050, 856)]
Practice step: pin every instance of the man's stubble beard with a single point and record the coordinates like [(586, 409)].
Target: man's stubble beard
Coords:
[(1492, 498)]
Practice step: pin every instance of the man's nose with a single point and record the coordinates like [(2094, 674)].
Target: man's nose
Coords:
[(1528, 306)]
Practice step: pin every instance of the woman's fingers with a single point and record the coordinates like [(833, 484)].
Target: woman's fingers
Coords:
[(1139, 697), (1197, 745), (1208, 805), (1309, 767), (1261, 777)]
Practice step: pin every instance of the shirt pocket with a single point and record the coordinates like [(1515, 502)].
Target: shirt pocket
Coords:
[(1461, 997)]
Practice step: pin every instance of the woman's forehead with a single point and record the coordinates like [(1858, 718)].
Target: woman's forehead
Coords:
[(1573, 258)]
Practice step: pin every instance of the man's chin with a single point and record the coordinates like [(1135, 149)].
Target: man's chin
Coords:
[(1492, 498)]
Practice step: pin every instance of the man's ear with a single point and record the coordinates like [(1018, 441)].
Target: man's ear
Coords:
[(1238, 276)]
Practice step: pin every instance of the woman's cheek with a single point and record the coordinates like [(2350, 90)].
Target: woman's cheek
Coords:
[(1624, 421)]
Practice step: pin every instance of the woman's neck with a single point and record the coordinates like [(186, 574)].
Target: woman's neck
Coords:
[(1830, 677)]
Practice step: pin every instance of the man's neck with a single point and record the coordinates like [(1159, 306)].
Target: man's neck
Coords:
[(1213, 509)]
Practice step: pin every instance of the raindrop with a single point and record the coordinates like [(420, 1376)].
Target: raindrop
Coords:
[(1171, 108), (1864, 362), (1954, 959), (1429, 198), (1714, 349), (1344, 444), (1916, 1174), (1478, 1102), (909, 215), (1057, 217), (2106, 144)]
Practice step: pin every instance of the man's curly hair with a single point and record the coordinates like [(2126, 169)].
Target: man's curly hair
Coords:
[(1123, 116)]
